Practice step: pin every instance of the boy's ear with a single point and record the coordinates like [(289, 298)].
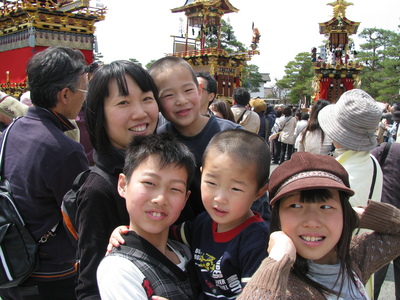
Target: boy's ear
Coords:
[(187, 195), (262, 191), (200, 88), (122, 185)]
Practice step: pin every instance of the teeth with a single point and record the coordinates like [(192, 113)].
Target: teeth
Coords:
[(312, 238), (156, 214), (138, 128)]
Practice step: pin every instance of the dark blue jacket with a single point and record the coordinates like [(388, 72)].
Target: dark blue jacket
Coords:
[(41, 163)]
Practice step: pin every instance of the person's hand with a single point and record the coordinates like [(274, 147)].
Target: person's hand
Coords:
[(158, 298), (279, 245), (359, 210), (116, 238)]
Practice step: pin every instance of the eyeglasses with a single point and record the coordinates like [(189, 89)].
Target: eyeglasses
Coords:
[(80, 90)]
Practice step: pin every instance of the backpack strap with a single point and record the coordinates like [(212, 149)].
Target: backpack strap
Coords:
[(241, 116), (371, 190), (381, 162), (3, 145), (52, 231)]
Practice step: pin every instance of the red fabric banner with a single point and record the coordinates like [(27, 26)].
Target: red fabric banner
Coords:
[(348, 83), (324, 88), (15, 61)]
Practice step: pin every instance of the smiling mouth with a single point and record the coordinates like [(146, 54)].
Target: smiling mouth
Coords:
[(138, 128), (183, 111), (312, 238), (156, 214)]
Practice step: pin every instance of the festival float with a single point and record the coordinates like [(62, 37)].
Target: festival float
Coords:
[(205, 16), (336, 69), (30, 26)]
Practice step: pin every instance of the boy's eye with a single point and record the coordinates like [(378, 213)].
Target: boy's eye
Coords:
[(210, 183), (177, 190), (237, 190), (189, 90), (148, 183), (166, 96)]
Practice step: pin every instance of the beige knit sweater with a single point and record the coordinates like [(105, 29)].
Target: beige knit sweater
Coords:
[(369, 252)]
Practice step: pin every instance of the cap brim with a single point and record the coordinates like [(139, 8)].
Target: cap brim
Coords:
[(311, 183)]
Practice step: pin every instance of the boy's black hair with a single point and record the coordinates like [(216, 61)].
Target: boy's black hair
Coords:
[(241, 96), (246, 147), (167, 63), (166, 147), (99, 91), (350, 223)]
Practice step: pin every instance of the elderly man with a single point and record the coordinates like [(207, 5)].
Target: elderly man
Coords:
[(41, 163)]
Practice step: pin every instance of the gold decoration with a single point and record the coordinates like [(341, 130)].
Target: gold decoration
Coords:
[(339, 8)]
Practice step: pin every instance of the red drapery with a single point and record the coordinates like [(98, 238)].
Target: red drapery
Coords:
[(324, 88), (14, 61), (348, 83)]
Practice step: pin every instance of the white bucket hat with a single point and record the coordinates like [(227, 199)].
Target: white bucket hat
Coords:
[(352, 121)]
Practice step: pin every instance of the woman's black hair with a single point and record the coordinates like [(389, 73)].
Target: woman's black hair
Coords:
[(350, 223), (313, 120), (99, 91)]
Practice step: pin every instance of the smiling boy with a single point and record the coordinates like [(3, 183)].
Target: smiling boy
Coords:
[(157, 173), (179, 93)]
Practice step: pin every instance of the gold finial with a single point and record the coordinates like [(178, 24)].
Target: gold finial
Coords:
[(339, 7)]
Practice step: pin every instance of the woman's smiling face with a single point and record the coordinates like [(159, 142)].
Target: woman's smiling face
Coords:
[(130, 115), (314, 228)]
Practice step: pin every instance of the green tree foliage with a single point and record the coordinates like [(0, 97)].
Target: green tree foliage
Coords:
[(229, 41), (251, 77), (98, 57), (134, 60), (380, 56), (148, 65), (298, 78)]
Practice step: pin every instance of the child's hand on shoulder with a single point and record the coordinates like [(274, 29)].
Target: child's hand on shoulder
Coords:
[(279, 245), (359, 210), (116, 238)]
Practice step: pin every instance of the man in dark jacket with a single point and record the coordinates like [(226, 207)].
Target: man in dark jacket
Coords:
[(41, 163)]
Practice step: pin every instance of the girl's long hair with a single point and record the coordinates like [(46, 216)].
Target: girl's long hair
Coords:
[(313, 121), (350, 222)]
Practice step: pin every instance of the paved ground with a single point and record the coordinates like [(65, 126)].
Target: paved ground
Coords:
[(387, 290)]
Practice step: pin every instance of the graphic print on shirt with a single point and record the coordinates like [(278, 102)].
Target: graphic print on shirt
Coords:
[(224, 282)]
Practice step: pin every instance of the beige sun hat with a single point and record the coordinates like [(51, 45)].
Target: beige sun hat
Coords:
[(352, 121)]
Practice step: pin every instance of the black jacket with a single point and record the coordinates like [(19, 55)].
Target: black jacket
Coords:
[(100, 211)]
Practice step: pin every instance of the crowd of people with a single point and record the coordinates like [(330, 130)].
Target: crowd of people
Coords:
[(185, 204)]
